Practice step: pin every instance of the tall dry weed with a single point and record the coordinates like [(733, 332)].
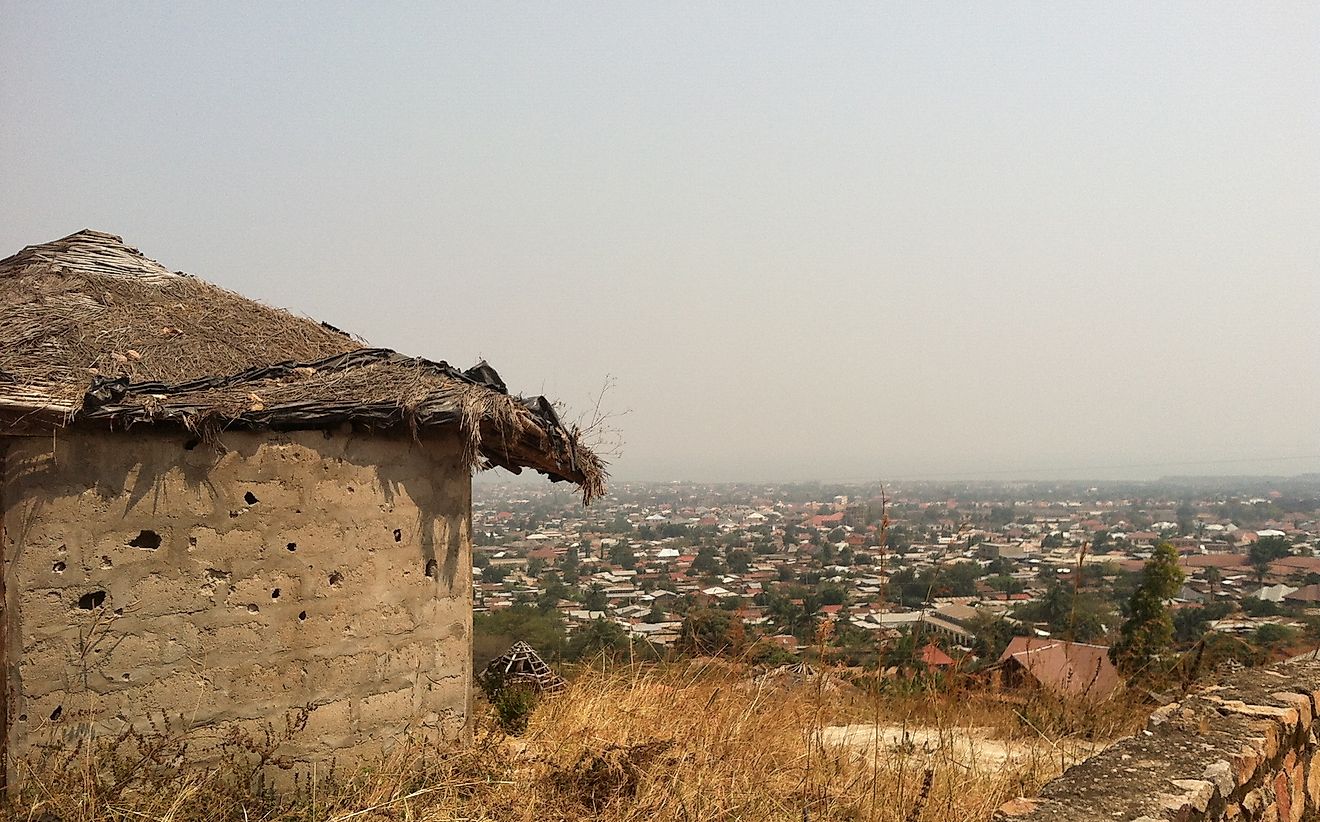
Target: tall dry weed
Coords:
[(705, 741)]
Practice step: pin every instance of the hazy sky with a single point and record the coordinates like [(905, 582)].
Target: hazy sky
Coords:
[(809, 241)]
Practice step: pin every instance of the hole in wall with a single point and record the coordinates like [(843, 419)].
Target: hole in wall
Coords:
[(335, 579), (302, 616), (57, 713), (192, 443), (106, 562), (252, 608), (398, 535), (148, 540), (119, 612), (275, 594), (58, 567), (192, 543), (291, 547), (124, 676), (91, 600), (22, 717), (250, 498), (430, 567)]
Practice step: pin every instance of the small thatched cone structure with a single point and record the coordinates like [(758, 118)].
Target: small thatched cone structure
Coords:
[(802, 670), (798, 674), (795, 672), (521, 665)]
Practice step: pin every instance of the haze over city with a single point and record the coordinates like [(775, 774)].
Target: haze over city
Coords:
[(834, 242)]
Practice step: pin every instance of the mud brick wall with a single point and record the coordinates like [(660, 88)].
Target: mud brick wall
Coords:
[(150, 576), (1241, 750)]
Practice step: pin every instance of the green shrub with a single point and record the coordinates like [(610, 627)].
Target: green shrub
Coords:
[(513, 707)]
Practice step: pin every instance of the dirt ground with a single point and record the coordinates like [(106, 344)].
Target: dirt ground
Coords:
[(975, 750)]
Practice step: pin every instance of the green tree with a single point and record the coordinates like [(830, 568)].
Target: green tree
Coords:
[(1100, 542), (707, 562), (793, 610), (622, 555), (570, 566), (769, 654), (595, 599), (600, 636), (1148, 631), (1006, 584), (1190, 624), (1081, 617), (553, 589), (992, 634), (1272, 635), (1186, 518), (903, 653), (958, 579), (740, 562), (493, 632), (657, 614), (1265, 551), (832, 595), (710, 632), (1255, 606)]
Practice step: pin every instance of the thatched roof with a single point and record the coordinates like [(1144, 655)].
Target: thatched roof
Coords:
[(521, 664), (92, 331)]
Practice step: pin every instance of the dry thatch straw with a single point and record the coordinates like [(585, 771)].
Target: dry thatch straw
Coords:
[(92, 331)]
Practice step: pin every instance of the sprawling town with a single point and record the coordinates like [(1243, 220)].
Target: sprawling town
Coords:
[(924, 574)]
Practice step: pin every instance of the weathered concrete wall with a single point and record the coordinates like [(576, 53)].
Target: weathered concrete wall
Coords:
[(1242, 750), (149, 577)]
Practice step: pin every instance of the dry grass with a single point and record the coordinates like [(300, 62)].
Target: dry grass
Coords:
[(688, 743)]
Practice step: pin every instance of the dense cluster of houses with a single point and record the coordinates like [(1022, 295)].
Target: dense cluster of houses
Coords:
[(641, 550)]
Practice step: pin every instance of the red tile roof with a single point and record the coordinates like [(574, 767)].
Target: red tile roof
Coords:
[(1069, 668), (1307, 594), (826, 519), (1214, 560), (933, 657)]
